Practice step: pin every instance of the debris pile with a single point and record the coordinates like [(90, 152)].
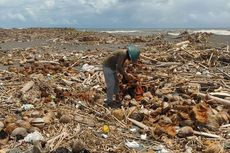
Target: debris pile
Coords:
[(52, 99)]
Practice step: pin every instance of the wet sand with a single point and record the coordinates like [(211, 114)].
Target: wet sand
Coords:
[(219, 40)]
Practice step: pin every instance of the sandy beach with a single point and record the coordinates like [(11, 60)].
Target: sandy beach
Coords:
[(51, 82), (213, 41)]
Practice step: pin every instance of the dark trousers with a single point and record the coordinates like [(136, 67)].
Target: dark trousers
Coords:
[(112, 83)]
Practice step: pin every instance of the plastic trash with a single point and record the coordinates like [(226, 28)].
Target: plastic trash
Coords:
[(53, 97), (144, 137), (133, 130), (105, 128), (161, 149), (104, 136), (132, 144), (32, 137), (27, 107), (89, 68)]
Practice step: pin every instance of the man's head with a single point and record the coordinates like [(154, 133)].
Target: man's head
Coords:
[(133, 53)]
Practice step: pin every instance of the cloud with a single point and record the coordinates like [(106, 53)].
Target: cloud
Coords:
[(99, 5), (49, 3), (16, 16), (115, 13)]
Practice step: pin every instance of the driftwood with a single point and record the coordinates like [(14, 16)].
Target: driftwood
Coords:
[(48, 62), (27, 87), (219, 100), (206, 134), (222, 94), (165, 71), (225, 126), (139, 124), (226, 74)]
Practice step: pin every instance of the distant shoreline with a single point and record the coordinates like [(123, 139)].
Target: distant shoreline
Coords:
[(220, 39)]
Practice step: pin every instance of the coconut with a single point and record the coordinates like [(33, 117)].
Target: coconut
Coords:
[(25, 124), (20, 131), (1, 125), (65, 119), (35, 114), (185, 131), (119, 114), (78, 147), (38, 122), (4, 137)]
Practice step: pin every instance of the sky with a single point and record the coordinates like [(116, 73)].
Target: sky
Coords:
[(115, 13)]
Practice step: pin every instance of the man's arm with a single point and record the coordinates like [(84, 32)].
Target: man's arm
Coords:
[(120, 66)]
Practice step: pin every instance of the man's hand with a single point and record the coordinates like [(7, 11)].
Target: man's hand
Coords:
[(131, 77)]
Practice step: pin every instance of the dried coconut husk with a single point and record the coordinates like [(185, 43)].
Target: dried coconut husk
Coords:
[(4, 137), (137, 116), (49, 117), (163, 128), (222, 117), (78, 146), (138, 92), (169, 142), (212, 123), (213, 147), (65, 119), (1, 125), (119, 114), (200, 113), (9, 119), (10, 127), (24, 124)]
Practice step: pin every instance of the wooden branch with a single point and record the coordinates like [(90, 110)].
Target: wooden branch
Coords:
[(219, 100), (222, 94), (148, 58), (206, 134), (49, 62), (162, 64), (27, 87), (224, 73), (225, 126), (55, 141), (67, 82), (139, 124), (182, 43)]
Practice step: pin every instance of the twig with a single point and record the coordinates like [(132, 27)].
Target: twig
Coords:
[(141, 125), (121, 123), (206, 134), (49, 62), (219, 100), (225, 126), (59, 137), (209, 61), (27, 87), (124, 112), (223, 94), (225, 85), (74, 64), (224, 73)]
